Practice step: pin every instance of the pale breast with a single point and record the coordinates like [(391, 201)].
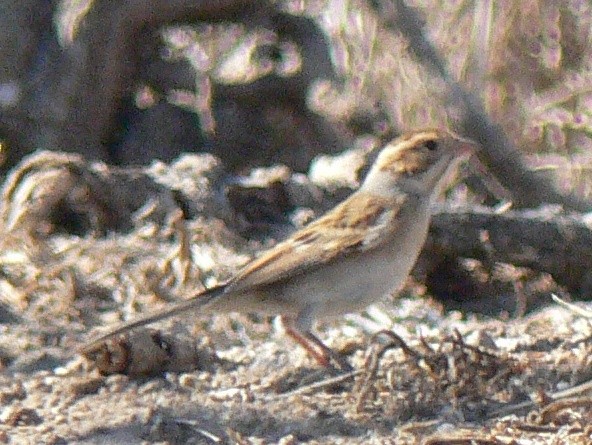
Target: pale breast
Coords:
[(356, 281)]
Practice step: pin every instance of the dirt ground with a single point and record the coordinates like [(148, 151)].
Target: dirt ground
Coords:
[(85, 247), (438, 376)]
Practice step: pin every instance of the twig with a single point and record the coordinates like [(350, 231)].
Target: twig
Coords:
[(577, 390), (572, 307), (373, 360), (317, 385)]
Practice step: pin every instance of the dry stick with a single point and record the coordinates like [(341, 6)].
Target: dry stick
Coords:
[(498, 152), (317, 385), (194, 426), (572, 307), (373, 361), (570, 392)]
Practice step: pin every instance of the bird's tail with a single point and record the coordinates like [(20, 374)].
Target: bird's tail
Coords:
[(197, 301)]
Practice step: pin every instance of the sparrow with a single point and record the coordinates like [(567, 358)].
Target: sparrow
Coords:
[(352, 256)]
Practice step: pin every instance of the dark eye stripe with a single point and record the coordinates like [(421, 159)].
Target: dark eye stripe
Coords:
[(431, 145)]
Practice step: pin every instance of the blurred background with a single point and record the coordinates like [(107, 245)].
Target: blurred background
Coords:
[(259, 83)]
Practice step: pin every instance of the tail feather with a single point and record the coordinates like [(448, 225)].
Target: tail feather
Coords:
[(195, 302)]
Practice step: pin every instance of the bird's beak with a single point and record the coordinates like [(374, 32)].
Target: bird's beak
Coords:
[(476, 167)]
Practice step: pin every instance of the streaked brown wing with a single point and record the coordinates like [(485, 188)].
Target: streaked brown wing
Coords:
[(359, 223)]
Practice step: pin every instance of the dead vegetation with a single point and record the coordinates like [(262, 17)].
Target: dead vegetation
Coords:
[(86, 244)]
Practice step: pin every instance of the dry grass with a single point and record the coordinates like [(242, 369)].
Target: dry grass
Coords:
[(443, 378)]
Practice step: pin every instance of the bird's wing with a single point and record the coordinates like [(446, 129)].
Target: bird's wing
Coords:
[(359, 223)]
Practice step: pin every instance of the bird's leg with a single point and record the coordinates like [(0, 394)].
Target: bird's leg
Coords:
[(324, 355)]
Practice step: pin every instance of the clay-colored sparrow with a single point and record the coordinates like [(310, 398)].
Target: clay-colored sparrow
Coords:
[(348, 258)]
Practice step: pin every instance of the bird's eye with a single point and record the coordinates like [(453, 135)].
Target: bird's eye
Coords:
[(431, 145)]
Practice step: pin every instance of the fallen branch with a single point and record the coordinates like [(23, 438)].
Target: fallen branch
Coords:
[(544, 240)]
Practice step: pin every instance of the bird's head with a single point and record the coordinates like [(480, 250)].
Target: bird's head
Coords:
[(421, 163)]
